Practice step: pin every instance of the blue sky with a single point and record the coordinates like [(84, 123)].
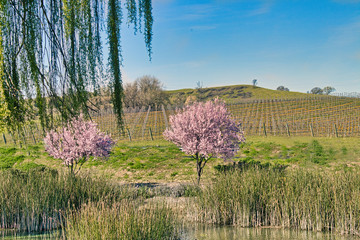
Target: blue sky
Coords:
[(300, 44)]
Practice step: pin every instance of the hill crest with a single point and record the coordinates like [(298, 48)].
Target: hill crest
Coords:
[(231, 93)]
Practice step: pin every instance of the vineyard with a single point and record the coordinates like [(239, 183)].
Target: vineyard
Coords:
[(317, 116)]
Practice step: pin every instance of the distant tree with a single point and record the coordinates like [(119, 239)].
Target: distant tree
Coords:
[(145, 91), (254, 82), (76, 142), (131, 91), (316, 90), (327, 90), (204, 130), (282, 88)]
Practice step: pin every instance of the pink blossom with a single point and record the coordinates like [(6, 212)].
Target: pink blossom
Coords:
[(76, 142), (204, 130)]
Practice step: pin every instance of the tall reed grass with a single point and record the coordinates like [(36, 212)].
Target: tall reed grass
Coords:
[(298, 198), (122, 220), (36, 201)]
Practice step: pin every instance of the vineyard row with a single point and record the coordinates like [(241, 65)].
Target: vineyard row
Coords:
[(318, 117)]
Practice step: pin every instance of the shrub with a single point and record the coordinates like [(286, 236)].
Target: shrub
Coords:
[(316, 90), (76, 142), (282, 88)]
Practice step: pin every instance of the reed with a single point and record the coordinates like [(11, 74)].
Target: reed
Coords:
[(318, 200), (123, 220), (36, 201)]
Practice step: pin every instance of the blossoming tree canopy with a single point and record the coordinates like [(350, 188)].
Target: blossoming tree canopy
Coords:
[(204, 130), (76, 142)]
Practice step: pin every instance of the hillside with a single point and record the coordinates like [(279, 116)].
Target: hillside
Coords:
[(261, 111), (231, 93)]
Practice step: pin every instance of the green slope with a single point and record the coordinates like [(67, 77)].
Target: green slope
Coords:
[(231, 93)]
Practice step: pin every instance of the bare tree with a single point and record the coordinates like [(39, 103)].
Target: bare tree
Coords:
[(131, 92), (145, 91)]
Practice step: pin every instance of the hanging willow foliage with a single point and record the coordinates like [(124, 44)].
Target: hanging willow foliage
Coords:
[(51, 56)]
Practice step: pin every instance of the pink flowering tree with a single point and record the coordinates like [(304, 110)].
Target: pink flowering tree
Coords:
[(76, 142), (205, 130)]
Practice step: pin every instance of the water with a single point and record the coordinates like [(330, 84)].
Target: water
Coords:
[(210, 232), (231, 233), (7, 235)]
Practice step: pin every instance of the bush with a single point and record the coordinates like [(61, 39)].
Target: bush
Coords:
[(282, 88), (316, 90)]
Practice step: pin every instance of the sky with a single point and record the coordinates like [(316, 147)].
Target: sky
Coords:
[(299, 44)]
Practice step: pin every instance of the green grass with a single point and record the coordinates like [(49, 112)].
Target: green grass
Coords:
[(233, 93), (299, 152), (162, 161), (145, 161), (10, 157)]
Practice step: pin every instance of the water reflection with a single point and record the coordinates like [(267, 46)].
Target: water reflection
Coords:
[(210, 232), (231, 233), (8, 234)]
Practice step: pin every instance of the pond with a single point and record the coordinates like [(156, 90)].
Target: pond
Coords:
[(210, 232), (207, 232)]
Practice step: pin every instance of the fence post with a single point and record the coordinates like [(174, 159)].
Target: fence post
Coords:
[(264, 130), (32, 133), (312, 130), (12, 138), (129, 134), (165, 118), (336, 131), (145, 121), (150, 132), (4, 138), (287, 130), (20, 139)]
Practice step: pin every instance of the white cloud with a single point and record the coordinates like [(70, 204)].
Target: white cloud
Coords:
[(264, 8), (346, 34), (203, 27), (197, 11)]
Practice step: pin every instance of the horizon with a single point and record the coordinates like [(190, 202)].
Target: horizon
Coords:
[(299, 45)]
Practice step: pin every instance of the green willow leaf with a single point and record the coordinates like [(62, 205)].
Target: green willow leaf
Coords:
[(51, 57)]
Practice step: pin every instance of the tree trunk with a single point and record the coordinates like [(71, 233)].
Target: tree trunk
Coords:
[(199, 175), (198, 167)]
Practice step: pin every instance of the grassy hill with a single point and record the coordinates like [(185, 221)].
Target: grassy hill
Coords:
[(231, 93)]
